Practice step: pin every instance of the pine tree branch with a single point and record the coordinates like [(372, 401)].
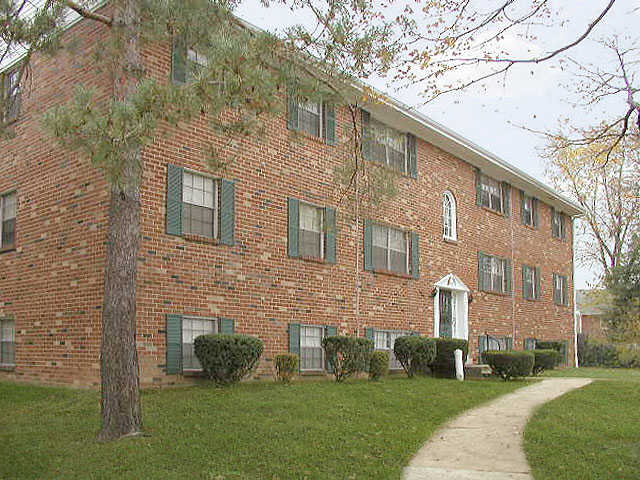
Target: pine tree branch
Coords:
[(83, 12)]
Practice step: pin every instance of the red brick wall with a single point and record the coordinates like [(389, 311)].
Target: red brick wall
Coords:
[(254, 282), (52, 283)]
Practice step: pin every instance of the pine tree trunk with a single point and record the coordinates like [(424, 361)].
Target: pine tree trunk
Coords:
[(121, 409)]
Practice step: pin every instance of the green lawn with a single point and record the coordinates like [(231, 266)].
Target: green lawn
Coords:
[(625, 374), (591, 433), (359, 430)]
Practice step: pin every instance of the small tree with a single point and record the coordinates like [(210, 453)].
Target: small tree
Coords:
[(415, 353), (347, 356)]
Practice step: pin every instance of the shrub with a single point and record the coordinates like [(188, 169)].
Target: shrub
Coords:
[(378, 365), (597, 353), (286, 367), (545, 360), (444, 364), (508, 364), (227, 359), (414, 353), (347, 355), (628, 356)]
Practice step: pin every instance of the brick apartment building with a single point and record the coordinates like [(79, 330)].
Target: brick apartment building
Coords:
[(469, 247)]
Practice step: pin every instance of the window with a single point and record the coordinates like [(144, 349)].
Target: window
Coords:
[(558, 225), (491, 193), (388, 146), (529, 214), (560, 290), (489, 342), (11, 94), (390, 249), (200, 205), (449, 216), (385, 340), (495, 274), (311, 351), (530, 282), (8, 209), (311, 234), (191, 329), (7, 342), (310, 118)]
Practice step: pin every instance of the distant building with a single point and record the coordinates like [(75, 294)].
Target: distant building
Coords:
[(591, 311)]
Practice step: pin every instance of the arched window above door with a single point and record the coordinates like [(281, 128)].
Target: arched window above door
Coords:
[(449, 217)]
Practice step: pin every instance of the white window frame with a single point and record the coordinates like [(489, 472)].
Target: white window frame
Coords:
[(564, 285), (388, 248), (531, 221), (450, 223), (322, 225), (486, 188), (533, 279), (496, 264), (2, 200), (394, 364), (322, 335), (216, 328), (216, 200), (373, 124), (11, 340), (558, 218), (302, 106)]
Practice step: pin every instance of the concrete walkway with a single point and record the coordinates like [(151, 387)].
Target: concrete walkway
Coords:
[(487, 442)]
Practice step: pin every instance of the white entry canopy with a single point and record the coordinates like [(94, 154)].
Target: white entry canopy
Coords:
[(452, 282)]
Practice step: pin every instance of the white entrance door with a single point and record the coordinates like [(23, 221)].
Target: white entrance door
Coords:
[(451, 308)]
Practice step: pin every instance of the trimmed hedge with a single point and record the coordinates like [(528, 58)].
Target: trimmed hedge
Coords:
[(227, 359), (628, 356), (347, 356), (414, 353), (545, 360), (444, 365), (508, 364), (286, 367), (379, 365), (596, 353)]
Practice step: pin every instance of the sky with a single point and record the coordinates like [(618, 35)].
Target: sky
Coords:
[(535, 97)]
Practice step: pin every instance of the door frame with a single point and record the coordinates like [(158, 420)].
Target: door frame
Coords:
[(459, 295)]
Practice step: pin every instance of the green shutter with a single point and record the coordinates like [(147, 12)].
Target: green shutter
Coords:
[(565, 286), (483, 345), (368, 241), (227, 326), (366, 135), (415, 255), (538, 283), (179, 61), (509, 342), (536, 217), (525, 293), (292, 111), (174, 199), (480, 272), (506, 199), (522, 199), (556, 296), (509, 274), (330, 233), (227, 212), (294, 227), (174, 344), (412, 150), (565, 226), (369, 333), (294, 338), (554, 229), (478, 187), (329, 114)]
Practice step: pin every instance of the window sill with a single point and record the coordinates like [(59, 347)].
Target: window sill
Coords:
[(390, 273), (312, 137), (495, 212), (393, 170), (319, 260), (451, 241), (313, 373), (559, 240), (7, 368), (530, 227), (532, 300), (8, 249), (193, 373), (497, 294), (201, 239)]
